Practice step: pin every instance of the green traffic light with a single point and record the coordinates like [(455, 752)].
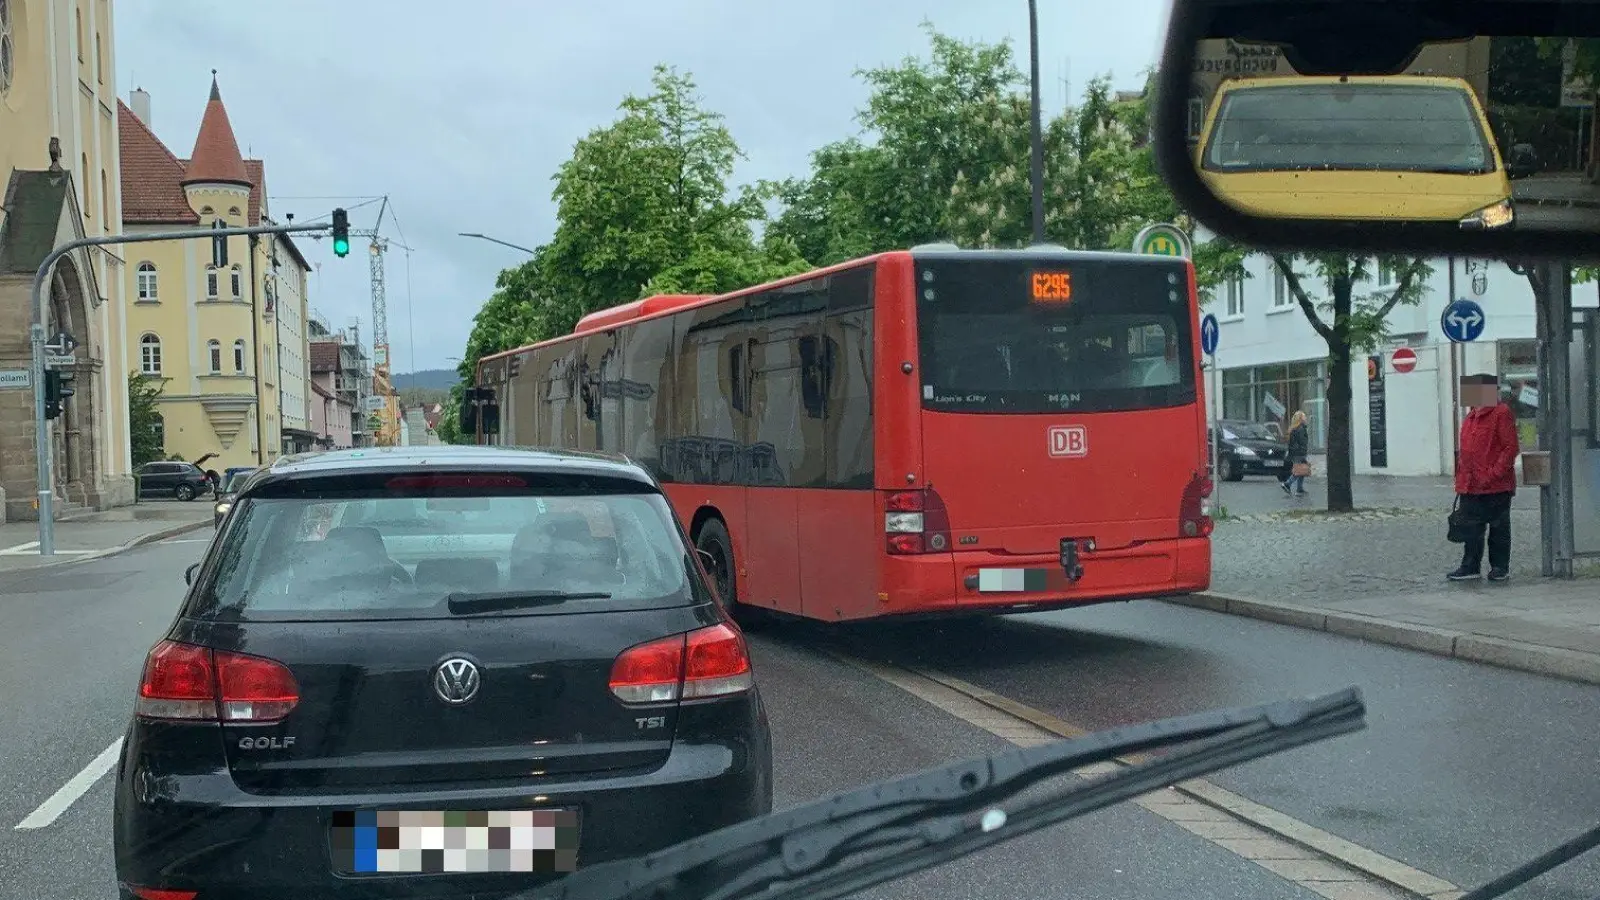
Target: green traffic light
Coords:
[(341, 247)]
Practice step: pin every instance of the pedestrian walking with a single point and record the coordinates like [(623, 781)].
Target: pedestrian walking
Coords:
[(1298, 459), (1486, 480)]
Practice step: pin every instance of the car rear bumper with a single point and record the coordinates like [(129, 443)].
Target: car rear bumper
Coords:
[(200, 832), (966, 582)]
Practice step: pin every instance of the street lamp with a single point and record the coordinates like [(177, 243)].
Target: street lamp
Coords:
[(485, 237), (1036, 175)]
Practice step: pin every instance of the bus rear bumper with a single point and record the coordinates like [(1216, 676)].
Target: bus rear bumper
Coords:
[(982, 581)]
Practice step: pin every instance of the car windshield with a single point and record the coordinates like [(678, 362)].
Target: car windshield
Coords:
[(234, 481), (350, 554), (1247, 430), (1362, 126)]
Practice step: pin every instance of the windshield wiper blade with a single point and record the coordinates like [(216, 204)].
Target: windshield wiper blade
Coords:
[(469, 603), (854, 840)]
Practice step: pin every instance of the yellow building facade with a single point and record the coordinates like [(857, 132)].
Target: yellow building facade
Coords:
[(210, 335), (60, 173)]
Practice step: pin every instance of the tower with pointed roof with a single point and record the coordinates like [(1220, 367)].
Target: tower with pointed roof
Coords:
[(216, 181)]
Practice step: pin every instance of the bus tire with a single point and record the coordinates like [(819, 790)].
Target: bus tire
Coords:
[(716, 549)]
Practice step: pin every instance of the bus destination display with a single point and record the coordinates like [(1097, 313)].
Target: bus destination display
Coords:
[(1052, 287)]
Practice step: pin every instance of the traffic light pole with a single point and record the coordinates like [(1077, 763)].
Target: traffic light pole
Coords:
[(41, 424)]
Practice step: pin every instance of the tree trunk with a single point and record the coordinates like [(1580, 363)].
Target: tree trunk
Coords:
[(1340, 496)]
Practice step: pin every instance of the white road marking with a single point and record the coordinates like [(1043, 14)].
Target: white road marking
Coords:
[(188, 541), (21, 548), (76, 787), (32, 547)]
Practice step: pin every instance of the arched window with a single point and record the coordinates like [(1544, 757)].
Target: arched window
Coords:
[(211, 283), (150, 354), (214, 349), (234, 212), (105, 196), (238, 356), (145, 279), (237, 279), (207, 211), (83, 186), (77, 15)]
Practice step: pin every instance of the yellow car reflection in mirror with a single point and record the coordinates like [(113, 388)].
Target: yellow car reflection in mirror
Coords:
[(1404, 147)]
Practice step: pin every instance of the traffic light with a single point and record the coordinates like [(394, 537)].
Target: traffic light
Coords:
[(219, 246), (341, 233), (57, 388)]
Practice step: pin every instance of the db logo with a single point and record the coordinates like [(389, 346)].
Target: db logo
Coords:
[(1069, 440)]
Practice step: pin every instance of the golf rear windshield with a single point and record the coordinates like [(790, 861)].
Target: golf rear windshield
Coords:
[(401, 549), (1046, 335)]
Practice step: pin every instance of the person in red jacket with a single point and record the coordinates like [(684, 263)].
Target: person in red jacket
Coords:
[(1486, 477)]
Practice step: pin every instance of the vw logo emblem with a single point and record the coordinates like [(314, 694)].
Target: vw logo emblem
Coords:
[(456, 681)]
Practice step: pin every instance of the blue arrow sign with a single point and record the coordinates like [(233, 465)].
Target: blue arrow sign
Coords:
[(1209, 334), (1463, 321)]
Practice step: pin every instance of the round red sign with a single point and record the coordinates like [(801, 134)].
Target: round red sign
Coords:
[(1404, 359)]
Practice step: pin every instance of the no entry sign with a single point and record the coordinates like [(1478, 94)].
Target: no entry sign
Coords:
[(1404, 360)]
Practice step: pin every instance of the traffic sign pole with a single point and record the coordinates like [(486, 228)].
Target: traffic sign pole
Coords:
[(1210, 336), (36, 340)]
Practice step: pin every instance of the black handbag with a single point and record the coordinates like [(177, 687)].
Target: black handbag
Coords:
[(1461, 524)]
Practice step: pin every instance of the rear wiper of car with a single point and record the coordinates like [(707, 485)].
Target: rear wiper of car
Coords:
[(463, 603), (854, 840)]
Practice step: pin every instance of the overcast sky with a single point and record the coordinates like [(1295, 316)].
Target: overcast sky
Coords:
[(461, 112)]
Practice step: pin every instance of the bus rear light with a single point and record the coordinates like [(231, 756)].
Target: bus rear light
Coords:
[(1194, 512), (915, 522)]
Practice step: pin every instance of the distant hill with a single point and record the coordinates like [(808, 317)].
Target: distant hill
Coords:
[(428, 379)]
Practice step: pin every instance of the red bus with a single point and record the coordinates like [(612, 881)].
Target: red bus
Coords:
[(933, 431)]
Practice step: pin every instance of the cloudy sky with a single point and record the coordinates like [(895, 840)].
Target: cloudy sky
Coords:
[(461, 112)]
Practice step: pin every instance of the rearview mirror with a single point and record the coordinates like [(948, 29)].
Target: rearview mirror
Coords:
[(1406, 126), (188, 574)]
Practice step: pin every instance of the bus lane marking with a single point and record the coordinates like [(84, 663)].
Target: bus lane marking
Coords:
[(1296, 851)]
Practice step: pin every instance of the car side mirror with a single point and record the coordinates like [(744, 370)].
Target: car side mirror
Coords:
[(188, 574)]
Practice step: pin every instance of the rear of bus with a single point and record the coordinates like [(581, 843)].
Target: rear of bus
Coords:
[(1058, 450)]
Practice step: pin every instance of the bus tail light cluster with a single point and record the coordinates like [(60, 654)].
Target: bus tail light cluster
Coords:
[(709, 662), (183, 682), (915, 522), (1194, 514)]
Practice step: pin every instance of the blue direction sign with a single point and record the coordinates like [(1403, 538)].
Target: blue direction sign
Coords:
[(1209, 334), (1463, 321)]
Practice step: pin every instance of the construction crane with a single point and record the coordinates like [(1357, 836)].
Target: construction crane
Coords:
[(381, 385)]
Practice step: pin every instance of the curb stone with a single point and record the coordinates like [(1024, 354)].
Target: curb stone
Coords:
[(1319, 517), (1557, 662), (139, 541)]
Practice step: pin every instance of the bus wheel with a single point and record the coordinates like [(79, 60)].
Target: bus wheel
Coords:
[(716, 554)]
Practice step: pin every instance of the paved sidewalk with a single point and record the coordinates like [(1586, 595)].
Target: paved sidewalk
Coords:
[(1547, 626), (100, 534)]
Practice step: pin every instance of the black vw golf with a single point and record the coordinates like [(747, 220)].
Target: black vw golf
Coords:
[(435, 672)]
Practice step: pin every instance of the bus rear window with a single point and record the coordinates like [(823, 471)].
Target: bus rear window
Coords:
[(1013, 336), (1349, 127)]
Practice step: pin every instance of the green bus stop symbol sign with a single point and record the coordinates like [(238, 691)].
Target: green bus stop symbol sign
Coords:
[(1162, 240)]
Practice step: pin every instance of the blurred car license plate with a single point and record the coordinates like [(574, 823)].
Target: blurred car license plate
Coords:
[(419, 842)]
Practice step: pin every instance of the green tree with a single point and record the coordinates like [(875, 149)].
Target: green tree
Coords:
[(1355, 322), (145, 427), (644, 205)]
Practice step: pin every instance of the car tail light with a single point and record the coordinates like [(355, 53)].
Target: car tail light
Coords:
[(915, 522), (1194, 513), (431, 482), (189, 683), (709, 662)]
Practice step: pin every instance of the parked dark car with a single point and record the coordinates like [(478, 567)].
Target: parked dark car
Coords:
[(232, 480), (463, 635), (163, 478), (1249, 448)]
